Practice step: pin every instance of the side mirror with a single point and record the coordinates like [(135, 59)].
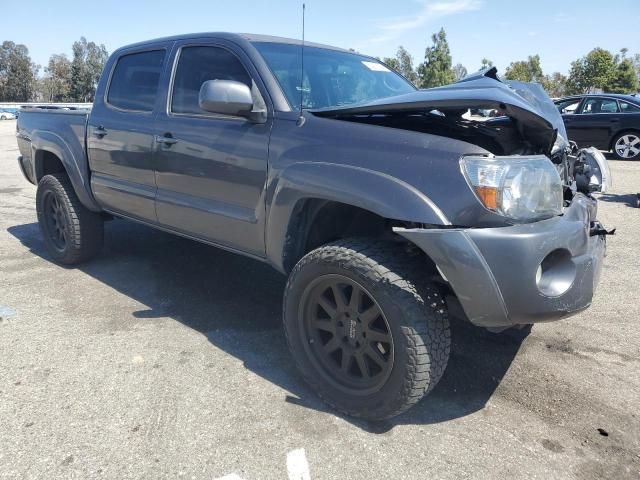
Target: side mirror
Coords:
[(226, 97)]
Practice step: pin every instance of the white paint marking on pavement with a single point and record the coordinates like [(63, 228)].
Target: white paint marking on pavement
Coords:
[(6, 312), (297, 465)]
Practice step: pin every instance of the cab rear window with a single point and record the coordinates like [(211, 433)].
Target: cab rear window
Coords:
[(135, 81)]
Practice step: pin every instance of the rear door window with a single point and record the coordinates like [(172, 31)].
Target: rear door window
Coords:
[(627, 107), (135, 81), (600, 105)]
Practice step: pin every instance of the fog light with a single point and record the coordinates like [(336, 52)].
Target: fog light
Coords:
[(556, 273)]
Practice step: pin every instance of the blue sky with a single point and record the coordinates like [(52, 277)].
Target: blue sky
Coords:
[(500, 30)]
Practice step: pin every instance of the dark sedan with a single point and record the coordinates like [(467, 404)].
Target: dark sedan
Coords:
[(607, 121)]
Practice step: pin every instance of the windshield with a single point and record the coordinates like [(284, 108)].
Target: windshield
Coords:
[(331, 78)]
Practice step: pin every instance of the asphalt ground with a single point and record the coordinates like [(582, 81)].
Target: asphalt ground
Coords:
[(165, 358)]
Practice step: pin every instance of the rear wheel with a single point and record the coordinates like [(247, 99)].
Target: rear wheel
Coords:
[(72, 233), (367, 334), (626, 146)]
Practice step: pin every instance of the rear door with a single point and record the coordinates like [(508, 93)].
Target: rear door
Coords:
[(120, 134), (211, 169), (596, 119)]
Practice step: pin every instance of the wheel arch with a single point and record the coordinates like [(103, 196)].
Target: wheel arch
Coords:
[(351, 201), (51, 154), (46, 162)]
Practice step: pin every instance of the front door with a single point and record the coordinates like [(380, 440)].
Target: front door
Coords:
[(211, 169), (568, 109), (120, 135), (592, 125)]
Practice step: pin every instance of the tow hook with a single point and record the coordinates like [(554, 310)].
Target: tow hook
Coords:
[(598, 229)]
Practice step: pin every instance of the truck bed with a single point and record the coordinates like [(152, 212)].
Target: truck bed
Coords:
[(57, 126)]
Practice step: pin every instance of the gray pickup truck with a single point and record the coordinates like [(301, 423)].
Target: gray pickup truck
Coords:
[(385, 205)]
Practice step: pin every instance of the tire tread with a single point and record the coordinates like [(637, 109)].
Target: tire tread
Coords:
[(86, 230), (425, 323)]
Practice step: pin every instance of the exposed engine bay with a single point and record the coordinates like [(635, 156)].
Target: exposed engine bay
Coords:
[(528, 124)]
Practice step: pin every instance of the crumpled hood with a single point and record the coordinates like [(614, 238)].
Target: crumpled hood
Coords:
[(537, 118)]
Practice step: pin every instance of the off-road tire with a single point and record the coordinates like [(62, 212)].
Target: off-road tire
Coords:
[(84, 230), (414, 309)]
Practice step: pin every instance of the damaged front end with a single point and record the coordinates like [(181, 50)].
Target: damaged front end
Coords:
[(528, 124), (545, 262)]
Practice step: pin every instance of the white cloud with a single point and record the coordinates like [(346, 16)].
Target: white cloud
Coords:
[(431, 10)]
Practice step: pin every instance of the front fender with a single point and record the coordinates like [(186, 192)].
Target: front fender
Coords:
[(72, 158), (374, 191)]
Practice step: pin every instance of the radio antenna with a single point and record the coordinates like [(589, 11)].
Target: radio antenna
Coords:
[(302, 65)]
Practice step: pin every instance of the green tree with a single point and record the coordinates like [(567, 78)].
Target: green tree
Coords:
[(576, 82), (485, 63), (622, 55), (86, 68), (625, 78), (555, 85), (392, 63), (600, 67), (636, 64), (528, 70), (405, 65), (593, 71), (17, 73), (459, 72), (56, 83), (436, 69)]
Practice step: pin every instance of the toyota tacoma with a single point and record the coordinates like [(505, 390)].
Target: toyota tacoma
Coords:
[(385, 205)]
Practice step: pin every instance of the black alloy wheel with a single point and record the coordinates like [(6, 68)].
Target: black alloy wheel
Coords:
[(55, 221), (346, 334)]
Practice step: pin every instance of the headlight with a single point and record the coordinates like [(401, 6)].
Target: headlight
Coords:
[(523, 188)]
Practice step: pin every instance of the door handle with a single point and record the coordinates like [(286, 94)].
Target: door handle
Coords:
[(99, 131), (165, 140)]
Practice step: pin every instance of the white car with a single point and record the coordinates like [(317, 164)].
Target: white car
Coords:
[(7, 115)]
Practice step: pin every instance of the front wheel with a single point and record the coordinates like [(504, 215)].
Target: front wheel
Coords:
[(368, 335), (626, 146), (72, 233)]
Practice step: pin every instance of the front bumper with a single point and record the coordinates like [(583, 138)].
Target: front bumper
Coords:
[(521, 274)]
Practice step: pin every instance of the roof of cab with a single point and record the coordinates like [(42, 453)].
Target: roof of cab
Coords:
[(237, 37)]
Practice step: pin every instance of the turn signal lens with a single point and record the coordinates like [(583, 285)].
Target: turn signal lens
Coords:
[(488, 196)]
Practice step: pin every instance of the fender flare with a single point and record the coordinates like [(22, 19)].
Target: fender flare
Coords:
[(377, 192), (77, 169)]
